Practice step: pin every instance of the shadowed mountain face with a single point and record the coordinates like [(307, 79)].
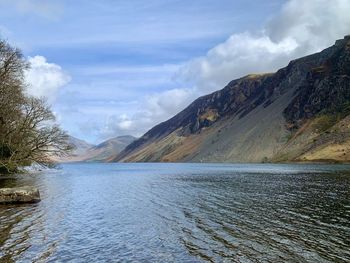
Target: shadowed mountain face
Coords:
[(299, 113)]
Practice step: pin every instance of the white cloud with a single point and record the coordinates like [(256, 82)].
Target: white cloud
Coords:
[(45, 78), (302, 27), (314, 24), (168, 102), (124, 123), (152, 110), (121, 125), (240, 55)]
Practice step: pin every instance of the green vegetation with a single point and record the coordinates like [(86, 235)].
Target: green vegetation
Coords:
[(324, 122), (28, 133), (328, 118)]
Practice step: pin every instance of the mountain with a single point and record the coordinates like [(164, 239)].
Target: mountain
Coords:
[(299, 113), (85, 152), (107, 149), (80, 148)]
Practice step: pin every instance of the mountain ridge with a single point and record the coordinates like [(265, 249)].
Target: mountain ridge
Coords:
[(103, 151), (85, 152), (253, 118)]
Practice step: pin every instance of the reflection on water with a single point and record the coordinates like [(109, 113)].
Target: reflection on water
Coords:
[(181, 213)]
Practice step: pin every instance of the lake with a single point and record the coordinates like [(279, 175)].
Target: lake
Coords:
[(181, 213)]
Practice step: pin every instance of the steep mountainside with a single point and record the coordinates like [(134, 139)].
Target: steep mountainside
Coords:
[(299, 113)]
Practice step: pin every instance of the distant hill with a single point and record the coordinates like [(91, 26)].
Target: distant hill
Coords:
[(85, 152), (81, 146), (108, 149), (299, 113)]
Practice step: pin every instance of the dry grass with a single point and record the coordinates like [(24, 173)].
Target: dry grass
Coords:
[(337, 152), (188, 147)]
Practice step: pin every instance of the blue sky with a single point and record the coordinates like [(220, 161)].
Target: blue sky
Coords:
[(111, 68)]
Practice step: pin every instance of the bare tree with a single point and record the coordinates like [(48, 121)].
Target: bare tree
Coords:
[(28, 132)]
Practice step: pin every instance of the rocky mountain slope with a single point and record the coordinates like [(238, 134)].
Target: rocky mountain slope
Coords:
[(299, 113), (85, 152)]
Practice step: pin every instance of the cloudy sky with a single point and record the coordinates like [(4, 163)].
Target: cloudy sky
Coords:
[(116, 67)]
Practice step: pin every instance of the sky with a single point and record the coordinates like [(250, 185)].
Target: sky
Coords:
[(113, 67)]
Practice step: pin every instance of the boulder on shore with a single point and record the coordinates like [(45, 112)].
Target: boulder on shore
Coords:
[(25, 194)]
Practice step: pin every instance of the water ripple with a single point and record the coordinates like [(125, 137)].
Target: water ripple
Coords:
[(181, 213)]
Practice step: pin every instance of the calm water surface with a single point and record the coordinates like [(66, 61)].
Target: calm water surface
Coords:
[(181, 213)]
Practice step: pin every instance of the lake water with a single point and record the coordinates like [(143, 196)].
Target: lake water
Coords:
[(181, 213)]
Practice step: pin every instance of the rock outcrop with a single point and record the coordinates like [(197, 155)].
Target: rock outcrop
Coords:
[(25, 194)]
